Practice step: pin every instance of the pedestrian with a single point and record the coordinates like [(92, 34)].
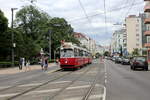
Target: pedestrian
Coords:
[(23, 62), (57, 62), (42, 62), (20, 63), (28, 65), (45, 63)]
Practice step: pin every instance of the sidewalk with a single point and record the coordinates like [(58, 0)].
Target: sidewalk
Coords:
[(16, 69)]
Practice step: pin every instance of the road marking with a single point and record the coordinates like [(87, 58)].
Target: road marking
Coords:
[(96, 96), (43, 91), (60, 82), (35, 84), (104, 94), (78, 87), (8, 95), (75, 98), (32, 84), (49, 72), (4, 87)]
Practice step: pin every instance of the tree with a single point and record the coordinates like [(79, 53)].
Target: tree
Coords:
[(3, 22), (97, 55), (135, 52), (106, 53), (61, 30), (4, 45), (32, 23)]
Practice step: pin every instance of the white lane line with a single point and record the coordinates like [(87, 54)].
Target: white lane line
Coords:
[(4, 87), (54, 90), (35, 84), (78, 87), (60, 82), (8, 95), (95, 96), (104, 94), (32, 84), (43, 91), (74, 98), (49, 72)]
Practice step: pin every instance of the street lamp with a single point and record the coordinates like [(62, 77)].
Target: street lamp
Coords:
[(49, 32), (12, 36)]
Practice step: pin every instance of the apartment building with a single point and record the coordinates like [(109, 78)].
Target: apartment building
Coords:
[(86, 42), (133, 33), (147, 22), (117, 42)]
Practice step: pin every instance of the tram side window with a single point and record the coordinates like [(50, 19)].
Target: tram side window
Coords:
[(81, 53), (67, 53), (76, 52), (84, 54)]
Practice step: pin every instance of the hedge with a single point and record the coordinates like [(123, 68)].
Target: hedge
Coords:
[(8, 64)]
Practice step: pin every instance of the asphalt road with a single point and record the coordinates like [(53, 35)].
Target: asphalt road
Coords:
[(60, 85), (125, 84)]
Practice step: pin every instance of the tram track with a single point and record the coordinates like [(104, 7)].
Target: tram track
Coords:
[(65, 87), (38, 86), (20, 82), (88, 93)]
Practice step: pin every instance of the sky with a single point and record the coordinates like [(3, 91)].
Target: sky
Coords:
[(85, 16)]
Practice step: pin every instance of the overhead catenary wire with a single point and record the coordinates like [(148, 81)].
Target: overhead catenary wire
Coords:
[(86, 15), (113, 10), (130, 8), (85, 12), (105, 16)]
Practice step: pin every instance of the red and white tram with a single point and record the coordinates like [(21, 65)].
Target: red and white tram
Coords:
[(72, 56)]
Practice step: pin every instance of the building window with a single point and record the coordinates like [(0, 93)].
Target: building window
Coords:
[(137, 30), (137, 39), (137, 44), (137, 34), (148, 39), (137, 25)]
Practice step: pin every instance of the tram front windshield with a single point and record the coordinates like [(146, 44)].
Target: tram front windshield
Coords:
[(67, 53)]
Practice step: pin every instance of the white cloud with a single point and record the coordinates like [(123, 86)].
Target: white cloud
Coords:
[(72, 12)]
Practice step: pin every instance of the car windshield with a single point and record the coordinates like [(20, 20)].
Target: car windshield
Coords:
[(67, 53), (141, 59)]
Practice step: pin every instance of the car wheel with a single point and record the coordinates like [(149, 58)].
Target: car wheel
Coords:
[(131, 67), (146, 68)]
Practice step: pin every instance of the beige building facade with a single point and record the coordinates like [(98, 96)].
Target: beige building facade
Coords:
[(133, 33)]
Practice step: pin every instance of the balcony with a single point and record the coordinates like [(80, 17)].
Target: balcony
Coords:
[(147, 8), (147, 45), (147, 33), (147, 21)]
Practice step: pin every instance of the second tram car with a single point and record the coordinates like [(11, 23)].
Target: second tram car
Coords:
[(72, 56)]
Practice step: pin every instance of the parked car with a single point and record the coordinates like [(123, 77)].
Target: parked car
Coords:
[(125, 61), (139, 62), (118, 60)]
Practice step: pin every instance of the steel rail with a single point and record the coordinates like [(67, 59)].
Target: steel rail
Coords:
[(38, 86), (62, 89), (87, 95), (7, 88)]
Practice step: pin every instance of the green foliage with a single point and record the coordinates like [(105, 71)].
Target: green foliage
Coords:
[(32, 23), (32, 32), (7, 64), (106, 53), (3, 22), (135, 52), (61, 30), (97, 55)]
